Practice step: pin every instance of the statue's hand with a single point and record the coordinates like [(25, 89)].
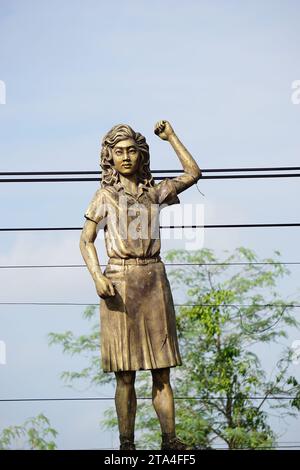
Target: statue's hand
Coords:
[(163, 129), (104, 287)]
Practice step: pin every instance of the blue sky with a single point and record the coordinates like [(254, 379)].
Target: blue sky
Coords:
[(221, 72)]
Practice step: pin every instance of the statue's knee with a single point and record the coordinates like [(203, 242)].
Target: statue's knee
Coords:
[(161, 378), (125, 378)]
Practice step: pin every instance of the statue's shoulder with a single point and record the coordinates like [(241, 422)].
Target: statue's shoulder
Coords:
[(107, 194), (106, 190), (100, 196)]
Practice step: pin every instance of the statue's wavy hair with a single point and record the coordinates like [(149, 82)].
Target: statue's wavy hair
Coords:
[(110, 176)]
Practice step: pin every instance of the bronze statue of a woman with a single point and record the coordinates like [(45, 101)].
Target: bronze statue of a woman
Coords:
[(138, 328)]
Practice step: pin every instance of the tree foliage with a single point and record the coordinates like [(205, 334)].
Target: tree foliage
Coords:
[(34, 434)]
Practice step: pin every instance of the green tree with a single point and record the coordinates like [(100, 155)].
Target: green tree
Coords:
[(34, 434), (222, 389)]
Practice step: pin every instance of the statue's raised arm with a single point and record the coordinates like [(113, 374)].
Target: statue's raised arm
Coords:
[(192, 172)]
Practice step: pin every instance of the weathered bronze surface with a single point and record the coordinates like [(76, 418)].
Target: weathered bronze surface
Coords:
[(138, 329)]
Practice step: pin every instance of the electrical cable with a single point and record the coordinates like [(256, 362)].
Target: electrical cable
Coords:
[(280, 263), (36, 229)]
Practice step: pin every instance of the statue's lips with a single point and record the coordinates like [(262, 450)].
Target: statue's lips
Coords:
[(127, 165)]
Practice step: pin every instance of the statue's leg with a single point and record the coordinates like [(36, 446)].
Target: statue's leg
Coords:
[(163, 402), (125, 399)]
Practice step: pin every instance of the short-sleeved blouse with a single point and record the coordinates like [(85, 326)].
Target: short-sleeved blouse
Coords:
[(131, 222)]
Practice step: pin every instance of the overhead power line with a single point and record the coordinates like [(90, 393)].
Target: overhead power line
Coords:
[(36, 229), (73, 304), (71, 178), (156, 178), (41, 266), (143, 398)]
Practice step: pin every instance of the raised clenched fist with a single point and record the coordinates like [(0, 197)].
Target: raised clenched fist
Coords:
[(163, 129)]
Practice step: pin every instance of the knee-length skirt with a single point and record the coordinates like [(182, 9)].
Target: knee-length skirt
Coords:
[(138, 325)]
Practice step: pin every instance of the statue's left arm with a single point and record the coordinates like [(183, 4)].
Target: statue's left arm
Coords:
[(192, 172)]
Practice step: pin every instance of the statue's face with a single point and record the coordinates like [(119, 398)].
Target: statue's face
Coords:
[(126, 157)]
